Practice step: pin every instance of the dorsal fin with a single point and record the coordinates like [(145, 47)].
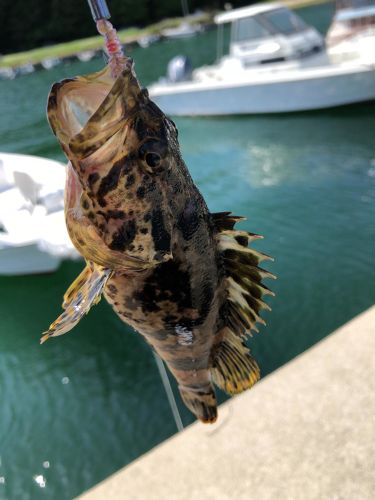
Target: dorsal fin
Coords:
[(225, 220), (243, 276), (84, 292), (233, 369)]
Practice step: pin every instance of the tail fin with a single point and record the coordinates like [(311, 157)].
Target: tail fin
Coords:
[(201, 401), (233, 368)]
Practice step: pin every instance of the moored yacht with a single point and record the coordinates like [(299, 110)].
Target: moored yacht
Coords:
[(276, 63)]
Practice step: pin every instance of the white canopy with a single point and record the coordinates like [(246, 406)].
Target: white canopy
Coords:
[(355, 13), (252, 10)]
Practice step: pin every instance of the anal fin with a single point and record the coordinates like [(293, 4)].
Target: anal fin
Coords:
[(233, 368), (84, 292)]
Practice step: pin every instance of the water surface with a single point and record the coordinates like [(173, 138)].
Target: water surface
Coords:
[(81, 406)]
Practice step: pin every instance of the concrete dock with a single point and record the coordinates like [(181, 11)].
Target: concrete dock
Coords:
[(305, 432)]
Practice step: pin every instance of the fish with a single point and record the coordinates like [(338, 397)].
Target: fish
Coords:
[(186, 279)]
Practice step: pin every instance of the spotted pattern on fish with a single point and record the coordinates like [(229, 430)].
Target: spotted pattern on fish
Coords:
[(184, 278)]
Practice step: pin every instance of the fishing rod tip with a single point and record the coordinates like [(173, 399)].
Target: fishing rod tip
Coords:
[(99, 9)]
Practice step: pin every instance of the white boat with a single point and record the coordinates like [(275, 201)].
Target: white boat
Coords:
[(351, 19), (276, 64), (147, 40), (25, 69), (33, 236), (86, 55), (7, 73), (50, 62), (184, 30)]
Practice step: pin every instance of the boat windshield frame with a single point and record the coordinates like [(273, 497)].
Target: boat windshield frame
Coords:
[(298, 27), (270, 28), (220, 42), (263, 20)]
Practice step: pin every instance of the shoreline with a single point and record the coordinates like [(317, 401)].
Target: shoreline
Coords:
[(127, 36)]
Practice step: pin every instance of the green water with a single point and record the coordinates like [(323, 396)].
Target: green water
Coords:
[(91, 401)]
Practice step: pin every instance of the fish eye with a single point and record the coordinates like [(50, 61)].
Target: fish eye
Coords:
[(152, 152), (152, 159)]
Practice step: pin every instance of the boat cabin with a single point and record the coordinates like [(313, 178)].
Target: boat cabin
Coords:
[(267, 33)]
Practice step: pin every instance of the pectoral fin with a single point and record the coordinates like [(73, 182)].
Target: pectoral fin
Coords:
[(78, 283), (84, 292)]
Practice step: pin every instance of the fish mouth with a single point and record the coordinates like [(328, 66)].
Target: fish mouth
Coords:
[(79, 106), (73, 101)]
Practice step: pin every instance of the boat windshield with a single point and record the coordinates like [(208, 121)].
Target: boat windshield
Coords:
[(267, 24), (283, 21), (249, 29)]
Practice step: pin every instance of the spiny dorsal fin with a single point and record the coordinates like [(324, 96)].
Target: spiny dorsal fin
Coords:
[(84, 292), (233, 368), (243, 276), (225, 220)]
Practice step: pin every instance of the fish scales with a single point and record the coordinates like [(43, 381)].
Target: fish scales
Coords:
[(182, 277)]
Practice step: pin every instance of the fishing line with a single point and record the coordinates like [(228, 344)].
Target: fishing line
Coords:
[(168, 389)]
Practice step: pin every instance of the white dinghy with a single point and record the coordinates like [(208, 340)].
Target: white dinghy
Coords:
[(276, 64), (33, 236)]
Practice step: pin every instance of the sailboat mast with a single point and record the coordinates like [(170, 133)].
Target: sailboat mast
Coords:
[(185, 7)]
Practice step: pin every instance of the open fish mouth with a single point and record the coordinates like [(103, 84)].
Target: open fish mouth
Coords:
[(73, 101), (93, 101)]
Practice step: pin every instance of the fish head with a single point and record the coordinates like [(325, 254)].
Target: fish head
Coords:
[(122, 149)]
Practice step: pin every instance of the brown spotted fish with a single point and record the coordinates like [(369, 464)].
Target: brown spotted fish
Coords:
[(183, 277)]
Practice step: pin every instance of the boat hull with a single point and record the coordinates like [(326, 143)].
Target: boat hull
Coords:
[(316, 88), (33, 236), (26, 259)]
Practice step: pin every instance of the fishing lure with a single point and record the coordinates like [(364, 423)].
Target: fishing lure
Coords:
[(183, 277)]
